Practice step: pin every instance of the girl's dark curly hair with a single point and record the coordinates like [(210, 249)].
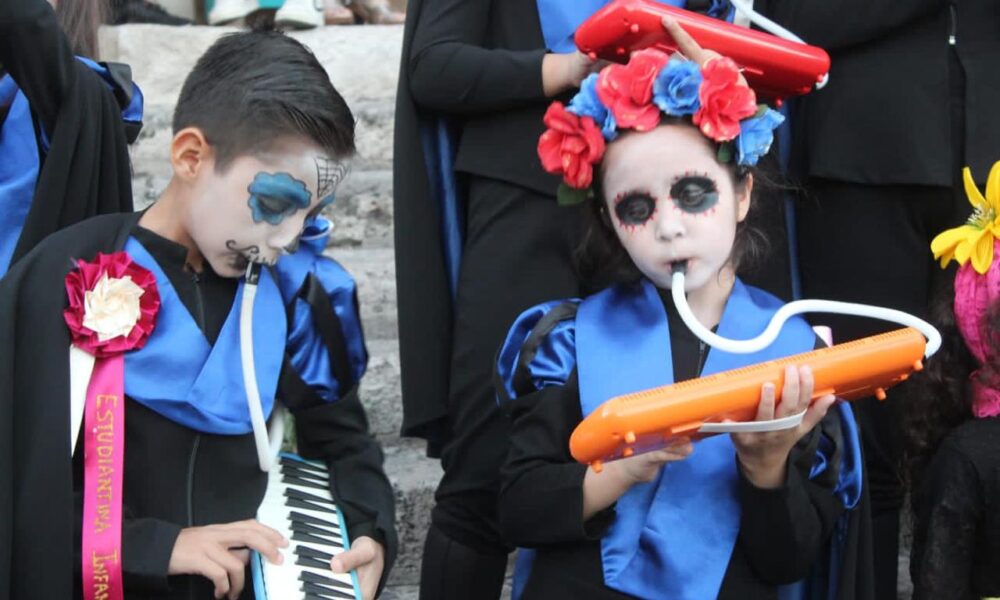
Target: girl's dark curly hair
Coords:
[(602, 261), (940, 397)]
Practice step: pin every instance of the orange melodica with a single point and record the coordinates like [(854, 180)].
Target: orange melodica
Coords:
[(646, 420)]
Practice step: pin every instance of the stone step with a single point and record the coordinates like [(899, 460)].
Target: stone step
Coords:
[(380, 390), (414, 478), (375, 272)]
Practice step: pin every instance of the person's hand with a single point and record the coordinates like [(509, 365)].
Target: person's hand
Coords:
[(687, 46), (221, 553), (561, 72), (764, 455), (366, 556), (642, 468)]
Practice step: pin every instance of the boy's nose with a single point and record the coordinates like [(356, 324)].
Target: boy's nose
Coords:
[(285, 238)]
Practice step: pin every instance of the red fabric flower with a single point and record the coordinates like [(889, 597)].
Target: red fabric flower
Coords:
[(105, 291), (570, 146), (725, 101), (627, 90)]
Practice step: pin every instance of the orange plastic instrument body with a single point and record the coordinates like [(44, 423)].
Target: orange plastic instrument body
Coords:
[(646, 420), (774, 67)]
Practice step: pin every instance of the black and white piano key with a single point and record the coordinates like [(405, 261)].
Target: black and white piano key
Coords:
[(298, 503)]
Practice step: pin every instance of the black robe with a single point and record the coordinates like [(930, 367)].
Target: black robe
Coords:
[(423, 298), (87, 170), (39, 547)]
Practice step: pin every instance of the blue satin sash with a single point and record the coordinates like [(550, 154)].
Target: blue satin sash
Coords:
[(561, 18), (307, 351), (19, 165), (180, 376), (131, 113), (439, 139), (672, 537)]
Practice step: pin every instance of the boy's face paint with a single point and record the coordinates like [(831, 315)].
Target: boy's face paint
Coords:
[(256, 209), (274, 196), (670, 201)]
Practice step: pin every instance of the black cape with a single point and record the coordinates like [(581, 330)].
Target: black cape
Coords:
[(36, 480), (86, 171), (423, 291), (38, 512)]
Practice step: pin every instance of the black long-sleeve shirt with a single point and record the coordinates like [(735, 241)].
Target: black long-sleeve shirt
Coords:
[(956, 534), (175, 477), (782, 530)]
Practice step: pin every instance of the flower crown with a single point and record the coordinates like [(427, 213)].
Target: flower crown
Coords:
[(633, 95)]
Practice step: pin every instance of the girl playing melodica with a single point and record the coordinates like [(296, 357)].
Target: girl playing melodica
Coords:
[(662, 150)]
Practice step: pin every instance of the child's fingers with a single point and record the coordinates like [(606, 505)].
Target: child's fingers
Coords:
[(225, 571), (765, 409), (359, 554), (256, 536), (817, 411), (685, 43), (806, 386), (789, 394)]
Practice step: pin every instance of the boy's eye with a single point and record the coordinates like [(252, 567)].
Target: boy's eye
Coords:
[(635, 209), (273, 206), (694, 193)]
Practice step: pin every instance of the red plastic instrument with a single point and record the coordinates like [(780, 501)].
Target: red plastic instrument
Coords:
[(646, 420), (774, 67)]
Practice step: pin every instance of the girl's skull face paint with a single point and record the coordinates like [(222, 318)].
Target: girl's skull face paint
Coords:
[(672, 201), (691, 193), (694, 193), (256, 209)]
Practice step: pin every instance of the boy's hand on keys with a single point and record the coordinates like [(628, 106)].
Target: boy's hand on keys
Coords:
[(219, 553), (764, 455), (366, 556)]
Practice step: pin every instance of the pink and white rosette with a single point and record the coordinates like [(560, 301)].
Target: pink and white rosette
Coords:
[(113, 304)]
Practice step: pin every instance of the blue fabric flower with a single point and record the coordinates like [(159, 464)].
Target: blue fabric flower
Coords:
[(675, 90), (756, 134), (586, 104)]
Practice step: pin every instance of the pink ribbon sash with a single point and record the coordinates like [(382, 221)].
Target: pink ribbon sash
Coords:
[(103, 462)]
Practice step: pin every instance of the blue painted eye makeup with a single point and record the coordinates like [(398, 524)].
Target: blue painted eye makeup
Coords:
[(274, 196), (635, 208), (694, 193)]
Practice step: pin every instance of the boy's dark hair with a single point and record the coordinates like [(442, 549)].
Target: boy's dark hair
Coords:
[(602, 260), (251, 88)]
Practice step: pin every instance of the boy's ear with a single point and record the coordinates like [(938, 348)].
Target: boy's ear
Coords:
[(190, 153), (743, 195)]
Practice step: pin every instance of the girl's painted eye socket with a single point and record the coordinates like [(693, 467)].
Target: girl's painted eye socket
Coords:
[(694, 193), (635, 208)]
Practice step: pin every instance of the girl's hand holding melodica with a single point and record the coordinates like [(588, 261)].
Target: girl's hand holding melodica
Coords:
[(601, 490), (764, 456)]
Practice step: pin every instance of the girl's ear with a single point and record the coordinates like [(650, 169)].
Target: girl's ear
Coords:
[(744, 192)]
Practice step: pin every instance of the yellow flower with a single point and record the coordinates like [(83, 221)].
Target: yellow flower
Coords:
[(974, 239)]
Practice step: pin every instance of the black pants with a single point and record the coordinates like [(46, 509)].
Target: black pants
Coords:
[(518, 252), (871, 244)]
